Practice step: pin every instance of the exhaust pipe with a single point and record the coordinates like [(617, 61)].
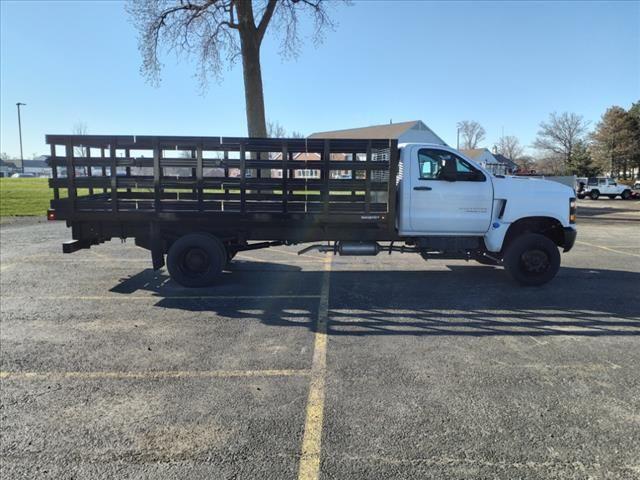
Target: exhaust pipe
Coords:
[(346, 248), (358, 248)]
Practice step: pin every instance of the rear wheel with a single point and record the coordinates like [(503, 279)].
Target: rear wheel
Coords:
[(532, 259), (594, 194), (196, 260)]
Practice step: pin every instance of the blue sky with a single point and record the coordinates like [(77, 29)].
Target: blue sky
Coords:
[(506, 65)]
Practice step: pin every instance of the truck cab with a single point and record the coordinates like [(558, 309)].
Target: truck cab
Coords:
[(446, 199)]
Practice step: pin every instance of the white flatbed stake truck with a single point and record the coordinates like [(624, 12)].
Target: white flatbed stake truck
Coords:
[(198, 210)]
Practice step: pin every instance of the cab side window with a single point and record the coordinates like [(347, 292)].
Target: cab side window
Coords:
[(442, 165)]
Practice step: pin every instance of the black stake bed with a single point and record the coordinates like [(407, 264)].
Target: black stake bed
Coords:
[(236, 188)]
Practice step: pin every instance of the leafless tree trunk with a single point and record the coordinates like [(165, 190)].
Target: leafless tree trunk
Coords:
[(250, 40)]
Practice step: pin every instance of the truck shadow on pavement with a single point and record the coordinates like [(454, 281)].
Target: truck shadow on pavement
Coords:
[(589, 212), (468, 300)]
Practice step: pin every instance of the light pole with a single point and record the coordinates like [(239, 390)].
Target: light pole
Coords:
[(19, 104)]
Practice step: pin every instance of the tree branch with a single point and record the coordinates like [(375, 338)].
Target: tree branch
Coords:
[(266, 17)]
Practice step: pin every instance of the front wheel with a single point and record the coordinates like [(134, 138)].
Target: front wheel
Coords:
[(626, 195), (196, 260), (532, 259)]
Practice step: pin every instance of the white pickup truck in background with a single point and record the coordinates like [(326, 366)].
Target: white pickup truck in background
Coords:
[(595, 187)]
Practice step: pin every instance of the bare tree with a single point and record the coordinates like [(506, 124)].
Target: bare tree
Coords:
[(557, 138), (80, 128), (220, 31), (526, 163), (552, 164), (275, 130), (509, 146), (471, 133)]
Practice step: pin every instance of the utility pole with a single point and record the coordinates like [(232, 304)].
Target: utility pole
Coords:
[(20, 134), (458, 138)]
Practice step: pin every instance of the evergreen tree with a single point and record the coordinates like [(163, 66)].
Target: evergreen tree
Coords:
[(582, 163), (634, 113), (615, 141)]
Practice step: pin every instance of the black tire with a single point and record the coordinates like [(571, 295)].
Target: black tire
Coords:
[(594, 194), (581, 196), (196, 260), (532, 259), (626, 195)]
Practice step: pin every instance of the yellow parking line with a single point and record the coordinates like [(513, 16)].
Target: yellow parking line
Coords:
[(311, 441), (315, 259), (608, 249), (159, 297), (80, 375), (242, 256)]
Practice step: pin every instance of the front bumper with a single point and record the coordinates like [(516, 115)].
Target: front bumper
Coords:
[(570, 234)]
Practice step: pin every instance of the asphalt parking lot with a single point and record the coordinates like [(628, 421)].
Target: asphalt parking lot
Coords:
[(320, 367)]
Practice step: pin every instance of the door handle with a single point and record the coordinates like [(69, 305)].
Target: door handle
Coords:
[(422, 188)]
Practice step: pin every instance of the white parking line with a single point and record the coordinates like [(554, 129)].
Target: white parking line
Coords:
[(608, 249), (95, 375)]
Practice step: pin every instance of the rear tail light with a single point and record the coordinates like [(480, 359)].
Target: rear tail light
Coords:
[(51, 215)]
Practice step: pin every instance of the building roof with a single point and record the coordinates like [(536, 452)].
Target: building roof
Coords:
[(36, 163), (302, 156), (506, 161), (311, 156), (4, 163), (389, 130), (474, 152)]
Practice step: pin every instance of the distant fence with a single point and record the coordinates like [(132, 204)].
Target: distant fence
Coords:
[(568, 180)]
